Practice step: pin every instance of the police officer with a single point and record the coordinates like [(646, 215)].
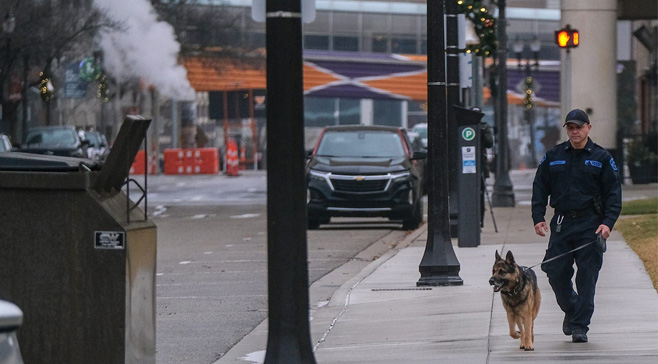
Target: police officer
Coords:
[(582, 181)]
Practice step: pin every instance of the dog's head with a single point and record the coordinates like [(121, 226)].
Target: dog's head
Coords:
[(505, 272)]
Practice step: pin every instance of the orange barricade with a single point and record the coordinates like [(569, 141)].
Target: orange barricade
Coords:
[(232, 165), (138, 164), (191, 161)]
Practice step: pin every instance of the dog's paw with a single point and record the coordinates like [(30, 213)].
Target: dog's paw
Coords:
[(515, 335), (528, 349)]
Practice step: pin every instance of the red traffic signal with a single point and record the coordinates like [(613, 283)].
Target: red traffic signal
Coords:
[(567, 37)]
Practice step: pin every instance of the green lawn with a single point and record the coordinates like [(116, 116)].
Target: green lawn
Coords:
[(639, 227)]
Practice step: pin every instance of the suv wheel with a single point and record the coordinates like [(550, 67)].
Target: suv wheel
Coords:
[(416, 217)]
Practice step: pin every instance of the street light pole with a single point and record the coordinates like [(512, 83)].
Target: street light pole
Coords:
[(439, 265), (288, 339), (503, 194)]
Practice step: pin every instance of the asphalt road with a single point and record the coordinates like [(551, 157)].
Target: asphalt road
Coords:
[(212, 260)]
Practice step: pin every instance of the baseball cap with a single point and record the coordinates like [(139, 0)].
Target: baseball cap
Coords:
[(576, 116)]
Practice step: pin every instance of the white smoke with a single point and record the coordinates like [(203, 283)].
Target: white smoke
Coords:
[(145, 47)]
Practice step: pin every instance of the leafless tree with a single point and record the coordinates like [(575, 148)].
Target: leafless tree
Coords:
[(213, 32), (45, 32)]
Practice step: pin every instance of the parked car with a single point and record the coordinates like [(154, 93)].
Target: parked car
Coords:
[(421, 129), (5, 144), (55, 140), (11, 318), (365, 171), (98, 148)]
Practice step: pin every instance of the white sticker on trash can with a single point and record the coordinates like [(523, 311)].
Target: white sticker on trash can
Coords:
[(109, 240)]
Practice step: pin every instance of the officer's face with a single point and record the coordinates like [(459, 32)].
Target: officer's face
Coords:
[(578, 134)]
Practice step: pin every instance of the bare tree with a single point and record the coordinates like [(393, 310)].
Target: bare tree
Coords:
[(45, 32), (213, 32)]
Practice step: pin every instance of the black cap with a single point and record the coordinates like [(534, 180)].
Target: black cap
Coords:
[(576, 116)]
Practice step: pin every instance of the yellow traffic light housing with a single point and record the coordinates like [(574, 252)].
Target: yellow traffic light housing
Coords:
[(567, 37)]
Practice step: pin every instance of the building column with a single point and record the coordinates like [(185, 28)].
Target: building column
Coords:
[(366, 112), (588, 73)]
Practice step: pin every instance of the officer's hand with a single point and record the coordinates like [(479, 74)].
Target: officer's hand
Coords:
[(541, 228), (604, 230)]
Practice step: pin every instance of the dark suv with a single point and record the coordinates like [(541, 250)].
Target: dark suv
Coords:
[(365, 171), (55, 140)]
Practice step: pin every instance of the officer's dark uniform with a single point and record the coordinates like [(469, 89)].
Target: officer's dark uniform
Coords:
[(574, 178)]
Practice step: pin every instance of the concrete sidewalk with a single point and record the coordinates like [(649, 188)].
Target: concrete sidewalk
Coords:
[(380, 316)]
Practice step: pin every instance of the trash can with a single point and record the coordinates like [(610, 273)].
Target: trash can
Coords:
[(78, 257)]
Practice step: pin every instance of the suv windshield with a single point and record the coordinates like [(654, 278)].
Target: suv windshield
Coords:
[(361, 144), (52, 138)]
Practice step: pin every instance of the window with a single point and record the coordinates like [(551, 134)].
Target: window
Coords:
[(319, 111), (387, 112), (344, 43), (380, 44), (404, 46), (375, 33), (319, 42), (349, 111)]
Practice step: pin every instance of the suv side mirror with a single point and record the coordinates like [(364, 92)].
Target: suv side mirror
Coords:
[(419, 154)]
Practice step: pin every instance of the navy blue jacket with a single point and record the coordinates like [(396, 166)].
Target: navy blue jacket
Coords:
[(573, 178)]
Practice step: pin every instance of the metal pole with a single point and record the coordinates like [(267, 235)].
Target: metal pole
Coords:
[(439, 265), (452, 89), (289, 339), (503, 194), (175, 132)]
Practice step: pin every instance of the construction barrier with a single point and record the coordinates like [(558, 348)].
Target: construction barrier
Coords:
[(138, 165), (232, 164), (191, 161)]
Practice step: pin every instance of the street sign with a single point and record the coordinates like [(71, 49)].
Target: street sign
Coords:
[(468, 134), (74, 86), (89, 69)]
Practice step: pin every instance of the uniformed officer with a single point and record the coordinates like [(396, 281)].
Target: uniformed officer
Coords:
[(582, 181)]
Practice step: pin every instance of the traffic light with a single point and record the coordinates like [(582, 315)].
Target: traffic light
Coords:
[(567, 37)]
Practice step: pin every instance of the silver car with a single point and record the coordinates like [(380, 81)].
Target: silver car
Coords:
[(11, 318)]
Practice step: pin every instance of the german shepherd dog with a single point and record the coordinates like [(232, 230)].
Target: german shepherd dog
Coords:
[(521, 297)]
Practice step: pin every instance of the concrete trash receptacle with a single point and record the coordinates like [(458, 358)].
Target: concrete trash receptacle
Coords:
[(75, 259)]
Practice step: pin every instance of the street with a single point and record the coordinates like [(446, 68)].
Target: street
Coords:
[(212, 260)]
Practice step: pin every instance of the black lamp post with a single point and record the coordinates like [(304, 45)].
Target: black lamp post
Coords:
[(529, 88), (8, 25)]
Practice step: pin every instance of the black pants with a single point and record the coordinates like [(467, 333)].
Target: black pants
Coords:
[(574, 233)]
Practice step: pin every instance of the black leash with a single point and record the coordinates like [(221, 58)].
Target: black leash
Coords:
[(563, 254)]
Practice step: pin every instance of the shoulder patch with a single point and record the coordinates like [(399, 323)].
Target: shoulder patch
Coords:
[(542, 160), (613, 164), (597, 164)]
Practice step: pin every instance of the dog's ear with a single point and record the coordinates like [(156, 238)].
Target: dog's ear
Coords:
[(498, 257), (510, 257)]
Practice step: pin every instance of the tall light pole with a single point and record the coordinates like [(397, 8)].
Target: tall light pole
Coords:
[(503, 194)]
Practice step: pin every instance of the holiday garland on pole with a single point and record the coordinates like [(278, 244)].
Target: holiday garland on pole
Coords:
[(46, 87), (484, 24), (528, 100)]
